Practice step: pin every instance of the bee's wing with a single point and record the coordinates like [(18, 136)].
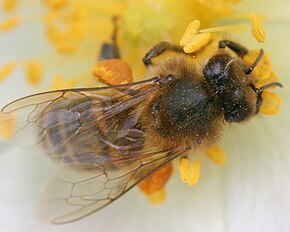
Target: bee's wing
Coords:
[(75, 192), (95, 135), (80, 123)]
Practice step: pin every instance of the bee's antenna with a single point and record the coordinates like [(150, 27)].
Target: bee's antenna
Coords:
[(262, 88), (253, 66)]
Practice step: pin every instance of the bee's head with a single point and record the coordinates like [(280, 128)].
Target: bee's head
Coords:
[(238, 95)]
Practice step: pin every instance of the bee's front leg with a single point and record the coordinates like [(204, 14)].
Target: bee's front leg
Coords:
[(235, 47), (158, 49)]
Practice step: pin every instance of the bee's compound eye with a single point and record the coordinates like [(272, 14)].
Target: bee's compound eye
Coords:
[(216, 69)]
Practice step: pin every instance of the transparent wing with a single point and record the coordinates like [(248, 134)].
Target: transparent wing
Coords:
[(75, 192), (81, 125), (97, 137)]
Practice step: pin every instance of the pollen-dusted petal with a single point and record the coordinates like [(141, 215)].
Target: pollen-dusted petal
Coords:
[(157, 197), (157, 180), (190, 31), (9, 23), (264, 68), (189, 172), (257, 29), (10, 5), (7, 126), (217, 155), (113, 72), (272, 78), (196, 42), (34, 72), (6, 70), (271, 103)]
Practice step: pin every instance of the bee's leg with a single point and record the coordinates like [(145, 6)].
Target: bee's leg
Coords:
[(158, 49), (111, 50), (237, 48)]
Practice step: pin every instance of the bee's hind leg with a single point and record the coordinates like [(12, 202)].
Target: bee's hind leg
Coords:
[(158, 49), (235, 47), (111, 50)]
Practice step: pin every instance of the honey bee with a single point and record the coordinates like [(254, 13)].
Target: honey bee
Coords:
[(108, 139)]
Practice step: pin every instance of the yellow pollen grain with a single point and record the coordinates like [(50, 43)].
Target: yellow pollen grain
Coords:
[(113, 72), (189, 172), (7, 126), (257, 29), (34, 72), (157, 197), (9, 24), (6, 70), (271, 103), (10, 5), (264, 68), (196, 42), (217, 155), (190, 31)]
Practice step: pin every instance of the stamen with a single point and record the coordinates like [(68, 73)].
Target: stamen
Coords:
[(270, 104), (225, 28), (194, 39), (113, 72), (157, 197), (10, 5), (34, 72), (9, 24), (189, 172), (7, 126), (190, 32), (6, 70), (257, 29), (217, 155), (196, 42)]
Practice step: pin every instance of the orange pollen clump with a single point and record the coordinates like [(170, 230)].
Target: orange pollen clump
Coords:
[(113, 72), (157, 180)]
